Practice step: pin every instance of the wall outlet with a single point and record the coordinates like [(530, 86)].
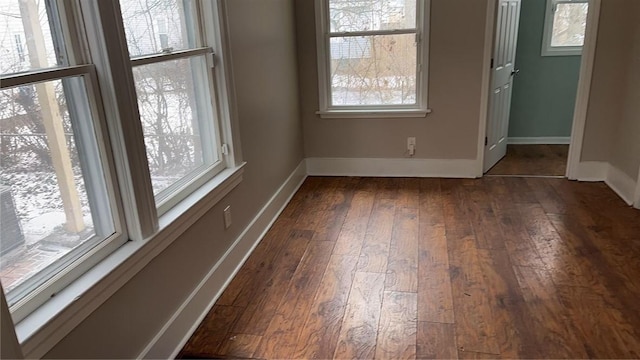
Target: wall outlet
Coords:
[(411, 146), (227, 217)]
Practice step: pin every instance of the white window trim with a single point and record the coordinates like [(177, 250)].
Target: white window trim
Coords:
[(43, 328), (420, 109), (547, 49)]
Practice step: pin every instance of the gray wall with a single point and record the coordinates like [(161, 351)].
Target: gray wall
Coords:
[(455, 70), (544, 93), (612, 128), (264, 61)]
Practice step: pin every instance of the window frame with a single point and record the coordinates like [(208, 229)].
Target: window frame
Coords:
[(547, 36), (209, 128), (100, 49), (55, 277), (323, 38)]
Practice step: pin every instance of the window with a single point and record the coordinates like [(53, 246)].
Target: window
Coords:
[(564, 28), (173, 87), (111, 114), (58, 211), (372, 57)]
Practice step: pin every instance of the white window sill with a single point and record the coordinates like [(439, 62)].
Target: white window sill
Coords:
[(45, 327), (373, 114), (562, 51)]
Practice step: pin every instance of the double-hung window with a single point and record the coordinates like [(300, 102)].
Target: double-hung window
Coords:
[(372, 57), (114, 123), (174, 86), (58, 198), (564, 27)]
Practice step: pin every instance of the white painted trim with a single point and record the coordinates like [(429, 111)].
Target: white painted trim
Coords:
[(591, 171), (179, 328), (584, 90), (444, 168), (621, 183), (366, 114), (542, 140), (485, 89)]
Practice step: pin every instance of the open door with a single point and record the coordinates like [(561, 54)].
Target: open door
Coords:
[(502, 73)]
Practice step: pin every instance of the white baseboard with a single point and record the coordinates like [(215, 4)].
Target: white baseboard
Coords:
[(177, 330), (542, 140), (445, 168), (592, 171), (621, 183)]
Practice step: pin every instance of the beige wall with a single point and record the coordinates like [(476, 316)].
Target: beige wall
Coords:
[(625, 154), (611, 130), (264, 61), (455, 70)]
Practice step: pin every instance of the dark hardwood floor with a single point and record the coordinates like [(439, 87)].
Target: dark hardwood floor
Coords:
[(538, 160), (436, 268)]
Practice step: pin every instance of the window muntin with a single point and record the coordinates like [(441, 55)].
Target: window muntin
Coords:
[(59, 213), (176, 100), (372, 56), (565, 27)]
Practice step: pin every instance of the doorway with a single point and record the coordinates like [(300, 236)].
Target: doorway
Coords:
[(535, 79)]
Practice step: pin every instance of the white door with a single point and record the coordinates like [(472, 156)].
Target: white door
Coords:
[(502, 73)]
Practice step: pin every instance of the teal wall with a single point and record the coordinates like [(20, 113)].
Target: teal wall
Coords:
[(544, 92)]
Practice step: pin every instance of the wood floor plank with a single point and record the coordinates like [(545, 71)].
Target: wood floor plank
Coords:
[(516, 336), (338, 196), (353, 230), (377, 241), (280, 338), (360, 324), (402, 268), (521, 248), (409, 197), (259, 268), (472, 311), (239, 346), (319, 335), (212, 332), (594, 319), (398, 326), (436, 341), (555, 330), (483, 217), (264, 302), (475, 329), (435, 299)]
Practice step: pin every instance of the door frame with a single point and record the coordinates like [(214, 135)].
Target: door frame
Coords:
[(582, 96)]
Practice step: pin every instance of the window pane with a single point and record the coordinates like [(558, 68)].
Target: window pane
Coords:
[(51, 204), (175, 108), (363, 15), (373, 70), (152, 26), (26, 40), (569, 24)]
